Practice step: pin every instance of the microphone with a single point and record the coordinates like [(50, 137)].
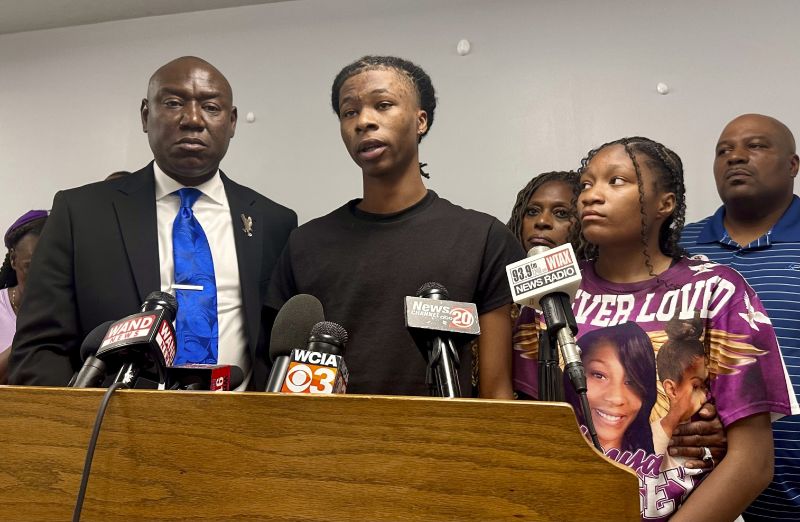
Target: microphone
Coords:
[(548, 280), (211, 377), (289, 331), (93, 371), (430, 310), (142, 341), (320, 368)]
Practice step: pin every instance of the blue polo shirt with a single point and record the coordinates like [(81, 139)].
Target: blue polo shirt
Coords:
[(771, 265)]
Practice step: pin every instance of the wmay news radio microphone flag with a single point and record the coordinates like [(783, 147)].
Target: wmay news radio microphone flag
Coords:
[(542, 273), (548, 280)]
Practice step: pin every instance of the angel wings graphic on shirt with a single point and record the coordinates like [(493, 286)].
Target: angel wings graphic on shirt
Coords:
[(526, 340), (727, 353)]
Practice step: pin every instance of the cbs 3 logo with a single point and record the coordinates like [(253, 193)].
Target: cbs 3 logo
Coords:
[(304, 378)]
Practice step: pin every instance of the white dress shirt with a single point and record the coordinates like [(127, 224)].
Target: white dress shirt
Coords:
[(214, 215)]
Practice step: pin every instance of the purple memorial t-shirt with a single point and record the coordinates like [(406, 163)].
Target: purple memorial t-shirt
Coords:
[(715, 341)]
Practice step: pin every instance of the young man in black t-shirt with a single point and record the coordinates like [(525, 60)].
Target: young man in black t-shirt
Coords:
[(362, 259)]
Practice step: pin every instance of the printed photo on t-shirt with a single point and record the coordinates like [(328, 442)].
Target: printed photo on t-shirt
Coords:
[(654, 352)]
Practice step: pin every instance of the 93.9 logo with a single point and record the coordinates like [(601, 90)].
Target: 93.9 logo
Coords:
[(309, 378)]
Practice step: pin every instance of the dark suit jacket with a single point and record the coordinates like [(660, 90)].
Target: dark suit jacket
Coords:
[(97, 260)]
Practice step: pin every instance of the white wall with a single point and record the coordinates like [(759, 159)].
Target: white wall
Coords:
[(546, 81)]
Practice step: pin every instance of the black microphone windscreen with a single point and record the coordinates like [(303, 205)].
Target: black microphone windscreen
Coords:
[(331, 329), (160, 299), (431, 288), (237, 377), (92, 341), (292, 323)]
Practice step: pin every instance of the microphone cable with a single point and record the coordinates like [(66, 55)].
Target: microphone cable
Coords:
[(87, 464)]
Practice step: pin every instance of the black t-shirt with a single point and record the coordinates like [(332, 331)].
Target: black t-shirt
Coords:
[(361, 266)]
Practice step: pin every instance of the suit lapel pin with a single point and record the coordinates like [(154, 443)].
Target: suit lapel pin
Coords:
[(247, 225)]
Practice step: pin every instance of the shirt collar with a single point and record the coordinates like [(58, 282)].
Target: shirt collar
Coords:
[(213, 189), (714, 229), (787, 229)]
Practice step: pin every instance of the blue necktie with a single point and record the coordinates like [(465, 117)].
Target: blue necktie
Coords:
[(196, 324)]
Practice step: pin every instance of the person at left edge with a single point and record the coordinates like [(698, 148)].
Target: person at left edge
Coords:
[(21, 240), (108, 244)]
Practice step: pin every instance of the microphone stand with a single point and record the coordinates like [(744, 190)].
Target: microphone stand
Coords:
[(561, 329), (551, 382), (443, 363), (442, 366)]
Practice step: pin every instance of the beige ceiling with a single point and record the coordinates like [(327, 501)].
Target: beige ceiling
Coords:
[(31, 15)]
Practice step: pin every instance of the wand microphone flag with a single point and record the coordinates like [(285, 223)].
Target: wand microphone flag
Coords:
[(142, 341)]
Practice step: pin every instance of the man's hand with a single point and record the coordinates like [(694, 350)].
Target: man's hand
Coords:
[(689, 439)]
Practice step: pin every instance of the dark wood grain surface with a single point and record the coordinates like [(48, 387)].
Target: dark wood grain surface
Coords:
[(255, 456)]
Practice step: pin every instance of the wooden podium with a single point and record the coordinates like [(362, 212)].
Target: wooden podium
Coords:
[(257, 456)]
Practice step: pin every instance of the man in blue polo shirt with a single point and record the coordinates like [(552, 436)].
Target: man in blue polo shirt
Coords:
[(757, 232)]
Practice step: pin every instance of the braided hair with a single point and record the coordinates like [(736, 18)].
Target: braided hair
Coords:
[(683, 347), (668, 169), (426, 94), (569, 178), (8, 277)]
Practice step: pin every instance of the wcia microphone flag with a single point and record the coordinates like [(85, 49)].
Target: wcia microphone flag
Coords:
[(314, 372), (320, 367)]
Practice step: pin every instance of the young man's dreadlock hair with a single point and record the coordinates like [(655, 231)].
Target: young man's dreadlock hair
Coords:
[(570, 178), (426, 95), (668, 169), (8, 278)]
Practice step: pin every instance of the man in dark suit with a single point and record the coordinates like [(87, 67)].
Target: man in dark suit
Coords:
[(109, 244)]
